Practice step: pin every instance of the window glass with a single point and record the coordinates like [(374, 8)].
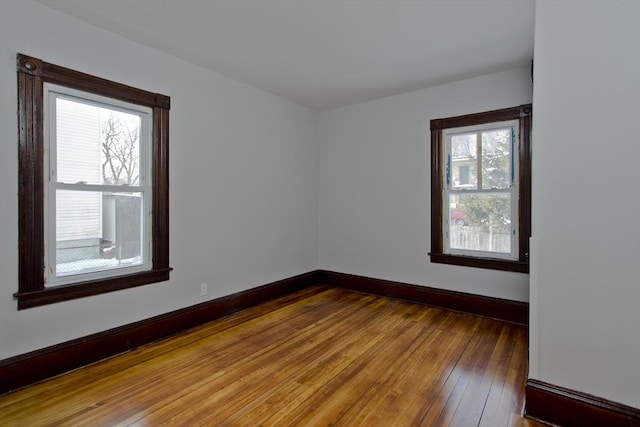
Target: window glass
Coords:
[(486, 220), (496, 158), (96, 144), (97, 231), (464, 161)]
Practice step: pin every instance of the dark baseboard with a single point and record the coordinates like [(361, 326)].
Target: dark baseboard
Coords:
[(25, 369), (546, 402), (568, 408), (507, 310)]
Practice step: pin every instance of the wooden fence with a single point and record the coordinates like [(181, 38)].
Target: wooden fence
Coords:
[(472, 238)]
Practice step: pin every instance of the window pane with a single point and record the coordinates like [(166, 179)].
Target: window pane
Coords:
[(96, 145), (480, 222), (97, 231), (496, 158), (464, 161)]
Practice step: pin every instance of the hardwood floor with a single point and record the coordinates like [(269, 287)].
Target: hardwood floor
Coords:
[(319, 357)]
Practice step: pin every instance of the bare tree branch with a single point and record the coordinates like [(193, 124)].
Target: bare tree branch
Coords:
[(120, 147)]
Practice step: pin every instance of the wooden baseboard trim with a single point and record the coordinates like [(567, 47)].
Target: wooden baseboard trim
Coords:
[(568, 408), (497, 308), (26, 369)]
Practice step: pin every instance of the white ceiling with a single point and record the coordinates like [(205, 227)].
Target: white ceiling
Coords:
[(327, 53)]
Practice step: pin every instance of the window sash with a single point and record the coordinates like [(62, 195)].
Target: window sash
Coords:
[(51, 94), (449, 190)]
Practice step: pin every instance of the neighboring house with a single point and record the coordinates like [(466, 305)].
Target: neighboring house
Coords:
[(79, 221)]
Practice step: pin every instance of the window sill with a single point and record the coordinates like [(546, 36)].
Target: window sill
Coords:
[(89, 288), (478, 262)]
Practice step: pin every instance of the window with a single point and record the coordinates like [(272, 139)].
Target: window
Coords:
[(93, 193), (481, 186)]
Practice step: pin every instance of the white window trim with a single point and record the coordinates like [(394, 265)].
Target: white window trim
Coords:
[(51, 93), (513, 190)]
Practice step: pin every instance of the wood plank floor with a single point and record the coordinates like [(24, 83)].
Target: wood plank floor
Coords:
[(319, 357)]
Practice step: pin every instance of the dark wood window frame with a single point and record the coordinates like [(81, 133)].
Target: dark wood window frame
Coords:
[(521, 113), (32, 74)]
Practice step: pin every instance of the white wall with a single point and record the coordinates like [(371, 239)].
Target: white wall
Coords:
[(375, 213), (243, 169), (585, 293)]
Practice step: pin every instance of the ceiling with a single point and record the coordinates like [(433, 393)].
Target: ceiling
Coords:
[(326, 54)]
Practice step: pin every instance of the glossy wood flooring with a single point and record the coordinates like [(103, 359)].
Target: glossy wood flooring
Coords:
[(319, 357)]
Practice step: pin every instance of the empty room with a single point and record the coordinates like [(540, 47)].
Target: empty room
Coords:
[(320, 212)]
